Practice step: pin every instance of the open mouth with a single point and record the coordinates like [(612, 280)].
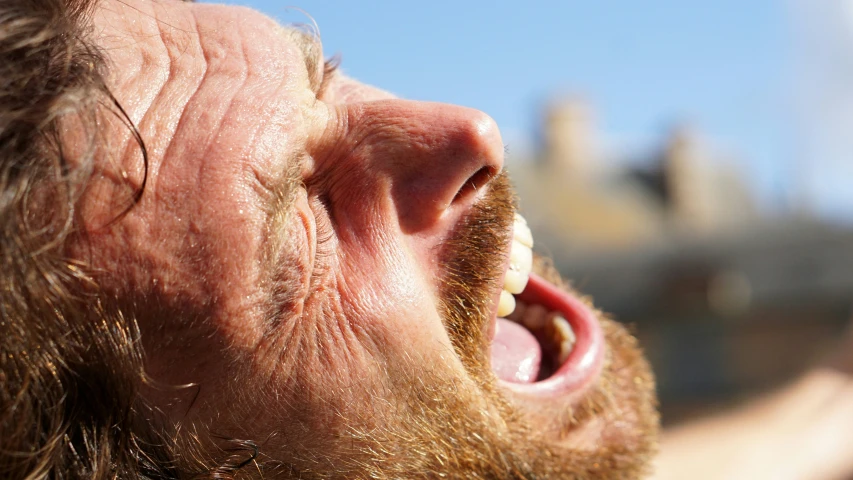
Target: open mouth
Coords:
[(546, 341)]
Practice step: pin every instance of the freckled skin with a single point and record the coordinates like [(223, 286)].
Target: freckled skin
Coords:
[(359, 345)]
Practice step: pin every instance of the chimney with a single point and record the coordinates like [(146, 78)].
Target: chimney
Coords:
[(568, 135)]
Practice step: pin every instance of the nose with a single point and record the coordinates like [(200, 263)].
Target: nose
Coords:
[(437, 158)]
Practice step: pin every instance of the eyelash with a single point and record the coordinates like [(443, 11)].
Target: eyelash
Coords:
[(325, 233)]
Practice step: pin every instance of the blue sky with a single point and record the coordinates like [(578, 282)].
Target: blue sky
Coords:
[(724, 66)]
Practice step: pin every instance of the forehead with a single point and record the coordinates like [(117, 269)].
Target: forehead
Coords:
[(207, 86), (222, 97), (149, 41)]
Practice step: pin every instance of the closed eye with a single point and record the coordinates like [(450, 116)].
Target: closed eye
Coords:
[(325, 232)]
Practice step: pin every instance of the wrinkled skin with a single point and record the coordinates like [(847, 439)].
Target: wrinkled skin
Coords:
[(324, 269)]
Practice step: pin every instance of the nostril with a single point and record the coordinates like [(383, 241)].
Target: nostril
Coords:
[(480, 178)]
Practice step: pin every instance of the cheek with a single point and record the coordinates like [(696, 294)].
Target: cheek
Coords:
[(387, 296), (382, 282)]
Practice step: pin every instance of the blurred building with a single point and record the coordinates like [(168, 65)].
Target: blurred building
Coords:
[(582, 201), (726, 301)]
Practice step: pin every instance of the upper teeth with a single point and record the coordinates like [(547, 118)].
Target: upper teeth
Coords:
[(520, 265)]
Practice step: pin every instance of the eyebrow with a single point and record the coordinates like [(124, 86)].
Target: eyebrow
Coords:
[(312, 53), (288, 181)]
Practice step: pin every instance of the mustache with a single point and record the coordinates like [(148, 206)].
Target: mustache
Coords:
[(474, 260)]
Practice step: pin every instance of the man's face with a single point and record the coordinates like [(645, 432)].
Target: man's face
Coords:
[(324, 263)]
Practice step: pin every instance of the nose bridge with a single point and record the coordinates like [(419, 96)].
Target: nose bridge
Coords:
[(436, 156)]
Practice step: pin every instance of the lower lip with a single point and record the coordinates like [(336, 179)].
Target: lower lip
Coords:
[(584, 363)]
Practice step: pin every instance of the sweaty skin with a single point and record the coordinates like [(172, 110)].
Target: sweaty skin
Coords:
[(323, 270)]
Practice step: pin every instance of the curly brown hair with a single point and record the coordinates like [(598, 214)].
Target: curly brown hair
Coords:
[(70, 365), (71, 362)]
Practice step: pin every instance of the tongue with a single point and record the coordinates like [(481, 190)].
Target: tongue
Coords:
[(515, 353)]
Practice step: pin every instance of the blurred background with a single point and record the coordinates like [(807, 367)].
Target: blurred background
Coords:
[(688, 164)]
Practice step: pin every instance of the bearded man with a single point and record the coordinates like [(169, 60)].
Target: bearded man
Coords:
[(224, 258)]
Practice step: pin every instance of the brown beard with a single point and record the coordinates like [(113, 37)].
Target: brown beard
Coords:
[(517, 449), (430, 424)]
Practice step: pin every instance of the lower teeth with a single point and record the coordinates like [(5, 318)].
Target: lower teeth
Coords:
[(553, 331), (567, 338)]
